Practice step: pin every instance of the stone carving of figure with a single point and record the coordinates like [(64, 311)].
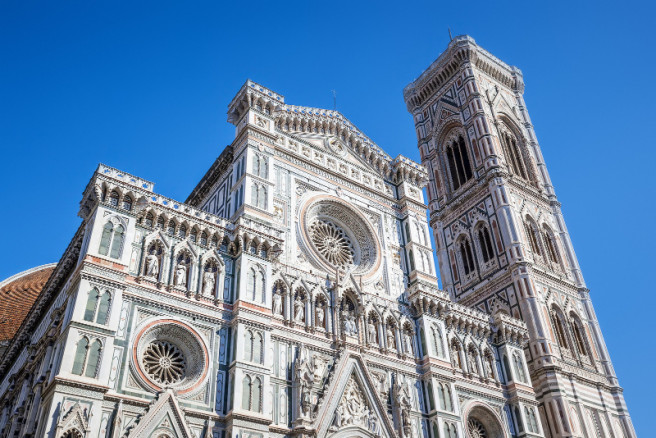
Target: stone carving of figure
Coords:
[(299, 309), (488, 368), (371, 331), (350, 327), (337, 421), (208, 283), (320, 315), (408, 342), (152, 265), (372, 424), (405, 417), (277, 303), (391, 342), (473, 366), (181, 275)]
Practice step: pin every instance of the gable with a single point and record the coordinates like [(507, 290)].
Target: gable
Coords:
[(164, 416), (351, 406)]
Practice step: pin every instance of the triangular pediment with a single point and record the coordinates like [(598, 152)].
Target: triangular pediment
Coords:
[(164, 416), (351, 406)]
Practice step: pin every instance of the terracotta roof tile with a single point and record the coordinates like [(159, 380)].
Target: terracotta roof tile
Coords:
[(17, 295)]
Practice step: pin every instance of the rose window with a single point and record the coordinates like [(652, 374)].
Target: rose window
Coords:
[(476, 429), (332, 243), (164, 362)]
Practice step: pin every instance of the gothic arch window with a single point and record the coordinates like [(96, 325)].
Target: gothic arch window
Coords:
[(193, 236), (436, 337), (559, 327), (519, 367), (531, 420), (127, 203), (577, 330), (252, 394), (160, 222), (203, 238), (450, 430), (253, 346), (111, 240), (533, 236), (513, 152), (466, 256), (485, 243), (458, 160), (256, 285), (550, 243), (431, 396), (97, 309), (182, 231), (444, 396), (246, 384), (87, 357), (171, 228), (113, 198)]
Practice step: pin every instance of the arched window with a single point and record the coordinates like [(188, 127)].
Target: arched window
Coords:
[(92, 304), (105, 239), (113, 198), (485, 241), (127, 203), (103, 308), (550, 243), (256, 164), (252, 284), (437, 342), (577, 329), (408, 236), (171, 228), (533, 236), (246, 393), (93, 359), (411, 258), (97, 308), (203, 238), (182, 231), (149, 220), (112, 236), (559, 328), (193, 236), (519, 368), (467, 256), (514, 158), (160, 222), (117, 242), (459, 164), (258, 345), (256, 397), (531, 420), (248, 345), (262, 198), (80, 356)]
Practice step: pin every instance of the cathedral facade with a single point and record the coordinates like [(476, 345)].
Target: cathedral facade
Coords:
[(294, 293)]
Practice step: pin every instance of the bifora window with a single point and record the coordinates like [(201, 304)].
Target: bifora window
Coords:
[(458, 160)]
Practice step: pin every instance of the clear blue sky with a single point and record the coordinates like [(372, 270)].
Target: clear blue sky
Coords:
[(144, 87)]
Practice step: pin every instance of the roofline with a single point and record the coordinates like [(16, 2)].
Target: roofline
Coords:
[(21, 274)]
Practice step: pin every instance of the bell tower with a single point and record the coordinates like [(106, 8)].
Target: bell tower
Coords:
[(502, 243)]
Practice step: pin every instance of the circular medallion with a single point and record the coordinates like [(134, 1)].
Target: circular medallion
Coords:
[(169, 353), (476, 429), (337, 236)]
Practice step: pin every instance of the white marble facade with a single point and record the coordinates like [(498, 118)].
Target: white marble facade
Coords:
[(294, 293)]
